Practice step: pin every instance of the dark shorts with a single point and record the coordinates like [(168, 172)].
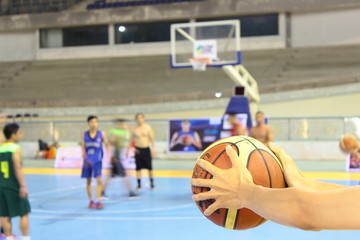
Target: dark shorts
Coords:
[(11, 205), (117, 169), (91, 169), (143, 158)]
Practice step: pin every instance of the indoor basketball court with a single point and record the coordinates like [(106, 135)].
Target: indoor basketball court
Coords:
[(136, 91), (58, 210)]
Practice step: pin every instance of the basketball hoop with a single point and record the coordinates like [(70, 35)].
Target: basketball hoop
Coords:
[(199, 63)]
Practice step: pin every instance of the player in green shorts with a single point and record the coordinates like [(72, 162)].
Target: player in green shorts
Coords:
[(119, 138), (13, 192)]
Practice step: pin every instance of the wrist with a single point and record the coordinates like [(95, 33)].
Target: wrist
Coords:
[(248, 194)]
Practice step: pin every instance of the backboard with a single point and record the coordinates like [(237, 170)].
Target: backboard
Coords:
[(217, 40)]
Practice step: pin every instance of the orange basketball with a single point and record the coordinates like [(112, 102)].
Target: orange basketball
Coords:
[(186, 140), (263, 165), (348, 143)]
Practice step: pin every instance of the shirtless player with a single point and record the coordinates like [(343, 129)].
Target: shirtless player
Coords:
[(261, 131), (143, 136)]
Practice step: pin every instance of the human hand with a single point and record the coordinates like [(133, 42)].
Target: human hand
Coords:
[(230, 188), (23, 192), (113, 159), (293, 175), (153, 152)]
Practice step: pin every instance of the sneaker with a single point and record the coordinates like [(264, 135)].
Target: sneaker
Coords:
[(133, 195), (104, 198), (91, 204), (2, 237), (153, 187), (138, 189), (99, 205)]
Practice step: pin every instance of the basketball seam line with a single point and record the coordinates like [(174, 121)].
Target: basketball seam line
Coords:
[(262, 157), (202, 188)]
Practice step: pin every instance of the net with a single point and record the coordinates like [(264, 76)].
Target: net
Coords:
[(199, 64)]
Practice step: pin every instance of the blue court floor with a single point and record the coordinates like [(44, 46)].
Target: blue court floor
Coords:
[(59, 211)]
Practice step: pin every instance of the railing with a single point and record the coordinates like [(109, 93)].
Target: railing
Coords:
[(285, 129)]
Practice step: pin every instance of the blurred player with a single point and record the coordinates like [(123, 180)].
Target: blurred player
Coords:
[(143, 136), (237, 127), (119, 138), (349, 144), (92, 151), (185, 139), (2, 139), (261, 131), (13, 191)]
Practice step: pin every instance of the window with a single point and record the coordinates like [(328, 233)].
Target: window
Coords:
[(85, 36), (74, 36), (255, 25), (143, 32)]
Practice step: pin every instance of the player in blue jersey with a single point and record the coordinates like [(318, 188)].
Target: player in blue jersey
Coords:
[(92, 151)]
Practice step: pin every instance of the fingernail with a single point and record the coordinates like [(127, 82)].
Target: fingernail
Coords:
[(228, 146)]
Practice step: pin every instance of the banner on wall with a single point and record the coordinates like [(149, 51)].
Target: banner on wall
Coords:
[(71, 157), (192, 135), (352, 163)]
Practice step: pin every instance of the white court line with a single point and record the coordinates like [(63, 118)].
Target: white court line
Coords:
[(57, 190), (117, 218), (115, 212), (34, 210)]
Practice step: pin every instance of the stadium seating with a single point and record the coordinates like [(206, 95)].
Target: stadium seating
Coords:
[(100, 4), (137, 80), (35, 6)]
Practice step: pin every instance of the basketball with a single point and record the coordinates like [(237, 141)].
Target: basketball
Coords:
[(187, 140), (348, 143), (263, 165)]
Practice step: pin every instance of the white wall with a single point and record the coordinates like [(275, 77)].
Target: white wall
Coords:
[(325, 28), (17, 46), (156, 48)]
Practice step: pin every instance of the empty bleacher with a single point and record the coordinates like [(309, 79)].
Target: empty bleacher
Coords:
[(101, 4), (12, 7), (138, 80)]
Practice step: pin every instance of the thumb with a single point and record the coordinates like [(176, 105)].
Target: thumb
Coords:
[(278, 151)]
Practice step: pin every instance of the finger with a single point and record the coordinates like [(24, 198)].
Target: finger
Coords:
[(232, 155), (199, 182), (278, 151), (204, 196), (212, 208), (206, 166)]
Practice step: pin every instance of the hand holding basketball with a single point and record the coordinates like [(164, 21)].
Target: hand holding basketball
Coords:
[(229, 187), (292, 173)]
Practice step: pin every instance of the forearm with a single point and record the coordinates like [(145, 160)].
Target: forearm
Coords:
[(198, 144), (321, 186), (295, 178), (307, 209), (152, 142), (20, 177)]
